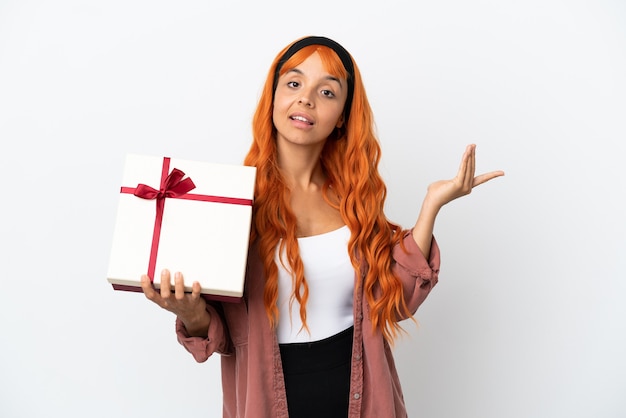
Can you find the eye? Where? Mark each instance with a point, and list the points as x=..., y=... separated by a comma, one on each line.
x=328, y=93
x=293, y=84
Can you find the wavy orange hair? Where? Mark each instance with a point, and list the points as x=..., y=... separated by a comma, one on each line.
x=350, y=160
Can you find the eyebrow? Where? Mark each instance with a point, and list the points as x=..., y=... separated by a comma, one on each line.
x=329, y=77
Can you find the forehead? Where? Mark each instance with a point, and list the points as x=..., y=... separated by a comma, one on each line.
x=316, y=55
x=313, y=65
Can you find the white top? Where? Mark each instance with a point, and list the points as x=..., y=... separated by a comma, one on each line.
x=330, y=277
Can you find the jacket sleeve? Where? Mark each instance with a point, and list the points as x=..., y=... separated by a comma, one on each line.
x=418, y=275
x=217, y=341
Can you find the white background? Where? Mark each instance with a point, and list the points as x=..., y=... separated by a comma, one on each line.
x=529, y=317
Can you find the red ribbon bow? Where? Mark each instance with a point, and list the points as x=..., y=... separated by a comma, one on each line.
x=171, y=186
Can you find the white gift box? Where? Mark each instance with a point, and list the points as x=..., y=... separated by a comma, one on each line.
x=204, y=232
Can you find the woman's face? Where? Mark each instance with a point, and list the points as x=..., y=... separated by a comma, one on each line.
x=308, y=104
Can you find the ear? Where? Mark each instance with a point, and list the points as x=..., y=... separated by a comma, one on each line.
x=339, y=122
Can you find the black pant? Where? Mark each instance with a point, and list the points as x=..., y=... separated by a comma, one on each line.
x=317, y=376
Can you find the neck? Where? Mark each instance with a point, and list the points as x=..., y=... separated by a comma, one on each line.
x=301, y=167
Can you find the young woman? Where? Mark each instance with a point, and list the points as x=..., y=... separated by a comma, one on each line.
x=329, y=276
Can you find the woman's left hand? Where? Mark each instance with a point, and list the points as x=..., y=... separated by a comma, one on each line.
x=444, y=191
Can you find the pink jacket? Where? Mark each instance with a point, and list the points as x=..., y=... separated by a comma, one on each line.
x=252, y=376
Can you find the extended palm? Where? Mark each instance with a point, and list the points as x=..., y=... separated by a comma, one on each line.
x=444, y=191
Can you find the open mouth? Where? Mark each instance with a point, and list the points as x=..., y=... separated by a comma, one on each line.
x=301, y=119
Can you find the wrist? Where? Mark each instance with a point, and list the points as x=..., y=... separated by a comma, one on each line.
x=430, y=207
x=198, y=324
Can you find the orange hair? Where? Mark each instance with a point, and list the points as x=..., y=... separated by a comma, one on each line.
x=350, y=160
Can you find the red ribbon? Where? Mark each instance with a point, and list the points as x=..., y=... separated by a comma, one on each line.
x=172, y=186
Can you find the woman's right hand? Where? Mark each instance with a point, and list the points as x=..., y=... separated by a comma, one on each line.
x=190, y=308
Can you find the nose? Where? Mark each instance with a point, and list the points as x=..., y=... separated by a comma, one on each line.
x=305, y=101
x=305, y=98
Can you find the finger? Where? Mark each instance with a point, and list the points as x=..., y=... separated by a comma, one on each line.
x=471, y=168
x=478, y=180
x=462, y=173
x=195, y=291
x=179, y=286
x=165, y=284
x=147, y=287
